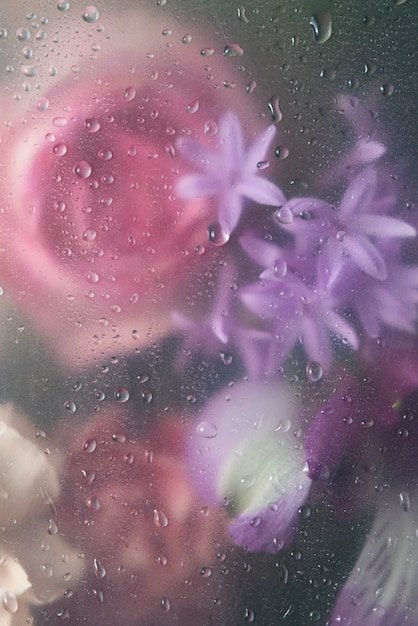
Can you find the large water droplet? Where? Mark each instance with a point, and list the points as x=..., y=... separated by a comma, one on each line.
x=217, y=234
x=130, y=93
x=10, y=602
x=207, y=430
x=321, y=22
x=405, y=501
x=160, y=518
x=83, y=169
x=121, y=394
x=70, y=406
x=274, y=108
x=284, y=215
x=92, y=125
x=99, y=569
x=314, y=371
x=90, y=15
x=233, y=50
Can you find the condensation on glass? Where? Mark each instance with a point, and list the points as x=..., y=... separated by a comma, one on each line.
x=208, y=290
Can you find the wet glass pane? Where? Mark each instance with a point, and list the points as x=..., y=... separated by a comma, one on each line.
x=208, y=292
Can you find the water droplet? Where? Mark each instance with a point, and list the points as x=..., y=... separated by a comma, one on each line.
x=130, y=93
x=321, y=22
x=28, y=70
x=207, y=52
x=83, y=169
x=250, y=87
x=71, y=406
x=284, y=215
x=3, y=33
x=90, y=445
x=281, y=152
x=47, y=569
x=60, y=149
x=314, y=371
x=211, y=128
x=192, y=107
x=233, y=50
x=121, y=394
x=207, y=430
x=255, y=522
x=92, y=125
x=304, y=512
x=89, y=234
x=119, y=438
x=226, y=357
x=99, y=569
x=241, y=15
x=405, y=501
x=280, y=268
x=42, y=104
x=249, y=615
x=90, y=15
x=10, y=602
x=274, y=108
x=165, y=605
x=63, y=6
x=52, y=527
x=387, y=89
x=23, y=34
x=248, y=481
x=186, y=38
x=217, y=235
x=160, y=519
x=89, y=476
x=206, y=572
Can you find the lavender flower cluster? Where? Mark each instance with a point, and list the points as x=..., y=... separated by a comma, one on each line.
x=335, y=285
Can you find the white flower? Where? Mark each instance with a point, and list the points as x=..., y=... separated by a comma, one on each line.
x=36, y=563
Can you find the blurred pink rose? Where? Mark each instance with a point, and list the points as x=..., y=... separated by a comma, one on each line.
x=94, y=245
x=152, y=551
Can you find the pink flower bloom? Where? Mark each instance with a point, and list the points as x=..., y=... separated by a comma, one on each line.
x=95, y=245
x=150, y=545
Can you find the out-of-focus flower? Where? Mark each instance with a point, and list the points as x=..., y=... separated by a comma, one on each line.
x=231, y=175
x=246, y=451
x=294, y=310
x=96, y=245
x=37, y=565
x=150, y=545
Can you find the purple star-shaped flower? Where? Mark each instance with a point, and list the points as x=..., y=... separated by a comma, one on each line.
x=353, y=232
x=232, y=174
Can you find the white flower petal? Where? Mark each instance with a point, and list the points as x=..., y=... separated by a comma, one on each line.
x=381, y=590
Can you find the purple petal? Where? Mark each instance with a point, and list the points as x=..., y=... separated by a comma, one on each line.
x=359, y=193
x=195, y=186
x=261, y=190
x=232, y=142
x=329, y=434
x=195, y=151
x=382, y=226
x=342, y=329
x=366, y=256
x=258, y=150
x=230, y=209
x=262, y=252
x=316, y=341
